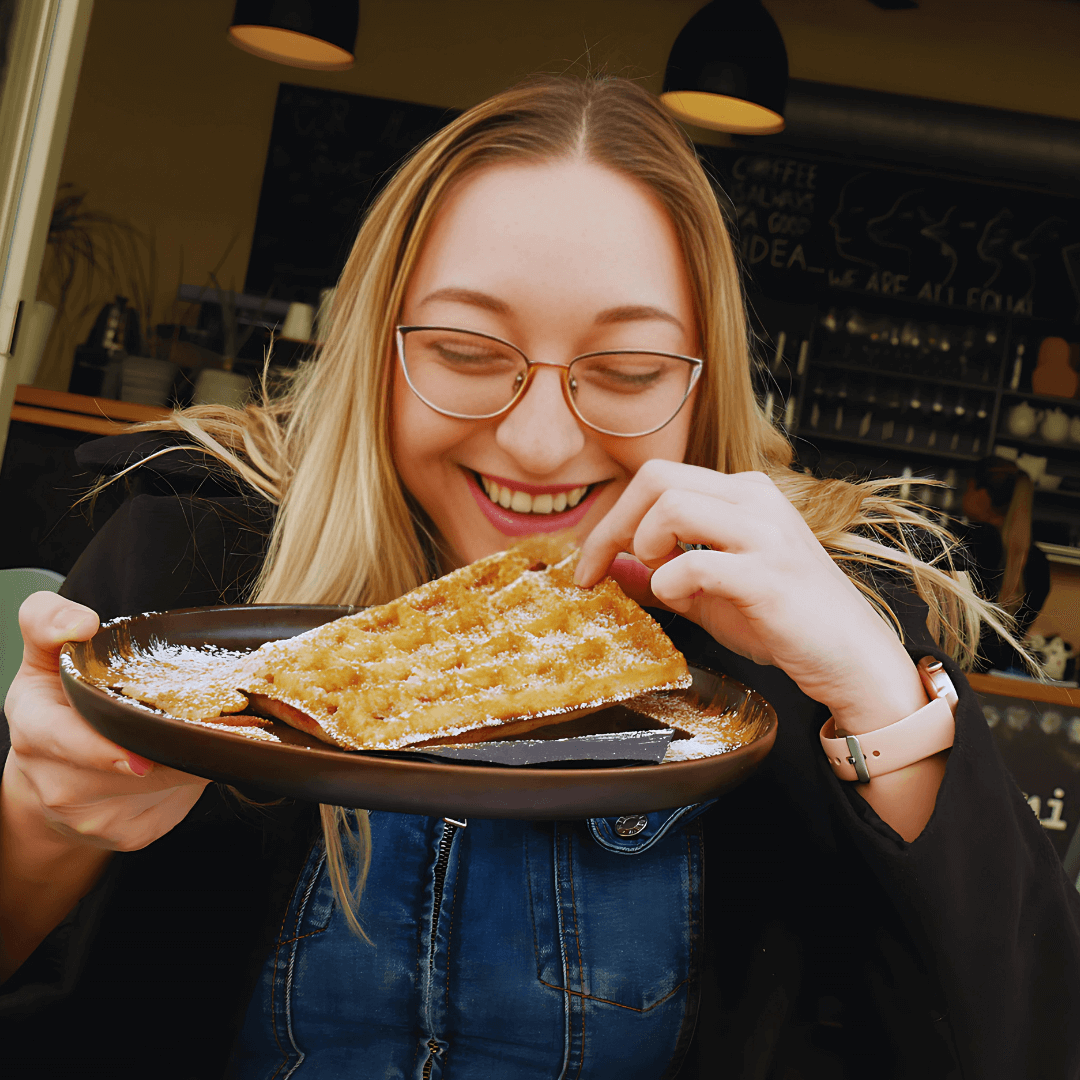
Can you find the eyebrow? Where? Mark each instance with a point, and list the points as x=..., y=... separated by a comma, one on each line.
x=608, y=317
x=469, y=296
x=636, y=313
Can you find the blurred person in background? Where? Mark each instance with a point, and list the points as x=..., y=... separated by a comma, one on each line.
x=1010, y=569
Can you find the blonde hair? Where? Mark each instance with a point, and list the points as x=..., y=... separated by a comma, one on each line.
x=346, y=532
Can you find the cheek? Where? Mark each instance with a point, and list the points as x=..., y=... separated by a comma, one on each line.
x=667, y=444
x=420, y=438
x=414, y=438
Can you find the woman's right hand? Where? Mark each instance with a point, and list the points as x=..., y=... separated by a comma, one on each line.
x=62, y=773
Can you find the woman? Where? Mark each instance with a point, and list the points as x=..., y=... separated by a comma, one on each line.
x=561, y=222
x=1011, y=569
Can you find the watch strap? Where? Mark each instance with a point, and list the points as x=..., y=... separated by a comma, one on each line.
x=923, y=733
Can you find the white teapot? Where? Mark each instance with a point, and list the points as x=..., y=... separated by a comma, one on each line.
x=1055, y=426
x=1023, y=420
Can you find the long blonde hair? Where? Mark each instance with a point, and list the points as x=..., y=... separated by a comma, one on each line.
x=346, y=530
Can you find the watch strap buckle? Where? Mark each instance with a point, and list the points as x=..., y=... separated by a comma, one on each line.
x=857, y=759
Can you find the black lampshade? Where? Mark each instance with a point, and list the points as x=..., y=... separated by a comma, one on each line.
x=319, y=34
x=728, y=70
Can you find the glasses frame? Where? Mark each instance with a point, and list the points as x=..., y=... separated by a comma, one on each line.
x=696, y=365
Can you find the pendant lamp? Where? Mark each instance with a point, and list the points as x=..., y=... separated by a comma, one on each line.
x=728, y=70
x=317, y=34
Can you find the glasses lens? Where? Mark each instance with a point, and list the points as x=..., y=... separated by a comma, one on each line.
x=629, y=393
x=462, y=373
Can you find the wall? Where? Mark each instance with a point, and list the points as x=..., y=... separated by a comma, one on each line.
x=171, y=122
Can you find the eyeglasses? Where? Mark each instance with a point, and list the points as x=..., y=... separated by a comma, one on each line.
x=473, y=376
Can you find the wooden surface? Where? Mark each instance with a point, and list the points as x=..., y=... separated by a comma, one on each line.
x=76, y=412
x=1025, y=689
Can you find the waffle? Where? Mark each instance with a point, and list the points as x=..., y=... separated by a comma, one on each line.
x=188, y=683
x=508, y=642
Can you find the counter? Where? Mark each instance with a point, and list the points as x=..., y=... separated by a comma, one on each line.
x=76, y=412
x=1037, y=729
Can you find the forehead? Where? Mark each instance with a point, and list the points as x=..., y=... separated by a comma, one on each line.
x=570, y=232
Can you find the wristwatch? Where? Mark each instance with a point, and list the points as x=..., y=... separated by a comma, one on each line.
x=926, y=732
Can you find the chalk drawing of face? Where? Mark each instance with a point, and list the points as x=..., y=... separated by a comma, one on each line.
x=897, y=230
x=848, y=220
x=991, y=246
x=937, y=232
x=1044, y=239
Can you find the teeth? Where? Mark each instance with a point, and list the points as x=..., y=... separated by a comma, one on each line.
x=521, y=503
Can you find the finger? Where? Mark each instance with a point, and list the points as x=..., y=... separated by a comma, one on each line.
x=714, y=573
x=47, y=621
x=71, y=788
x=44, y=726
x=683, y=517
x=125, y=821
x=615, y=532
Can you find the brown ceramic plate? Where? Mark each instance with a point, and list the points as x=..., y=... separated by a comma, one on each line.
x=297, y=765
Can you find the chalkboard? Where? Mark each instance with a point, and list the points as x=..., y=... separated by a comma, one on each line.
x=329, y=155
x=809, y=229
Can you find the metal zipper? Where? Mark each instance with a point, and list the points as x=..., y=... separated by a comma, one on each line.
x=433, y=1053
x=441, y=862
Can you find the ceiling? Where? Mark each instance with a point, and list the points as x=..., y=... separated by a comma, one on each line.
x=1005, y=54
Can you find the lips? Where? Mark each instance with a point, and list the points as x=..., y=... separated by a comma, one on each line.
x=523, y=509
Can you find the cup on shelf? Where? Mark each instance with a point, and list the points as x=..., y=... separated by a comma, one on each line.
x=146, y=381
x=1055, y=426
x=1033, y=465
x=1023, y=420
x=216, y=387
x=299, y=322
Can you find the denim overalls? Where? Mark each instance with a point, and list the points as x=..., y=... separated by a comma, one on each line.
x=501, y=949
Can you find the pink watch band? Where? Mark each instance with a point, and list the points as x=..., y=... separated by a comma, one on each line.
x=926, y=732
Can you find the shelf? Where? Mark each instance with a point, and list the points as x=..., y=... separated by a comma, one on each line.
x=840, y=300
x=810, y=436
x=1047, y=449
x=1057, y=493
x=934, y=380
x=1058, y=553
x=1042, y=399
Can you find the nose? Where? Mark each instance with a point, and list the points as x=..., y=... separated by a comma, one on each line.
x=540, y=432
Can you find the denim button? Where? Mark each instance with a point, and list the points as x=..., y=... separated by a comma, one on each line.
x=630, y=825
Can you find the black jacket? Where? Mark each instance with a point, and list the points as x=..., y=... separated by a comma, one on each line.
x=835, y=949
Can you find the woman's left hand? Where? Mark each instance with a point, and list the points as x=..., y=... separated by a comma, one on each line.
x=768, y=590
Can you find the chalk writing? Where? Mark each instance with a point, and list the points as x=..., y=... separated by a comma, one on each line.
x=806, y=226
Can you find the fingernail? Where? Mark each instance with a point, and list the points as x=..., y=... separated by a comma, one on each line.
x=133, y=765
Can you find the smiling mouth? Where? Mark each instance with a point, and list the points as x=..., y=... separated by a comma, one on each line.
x=521, y=502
